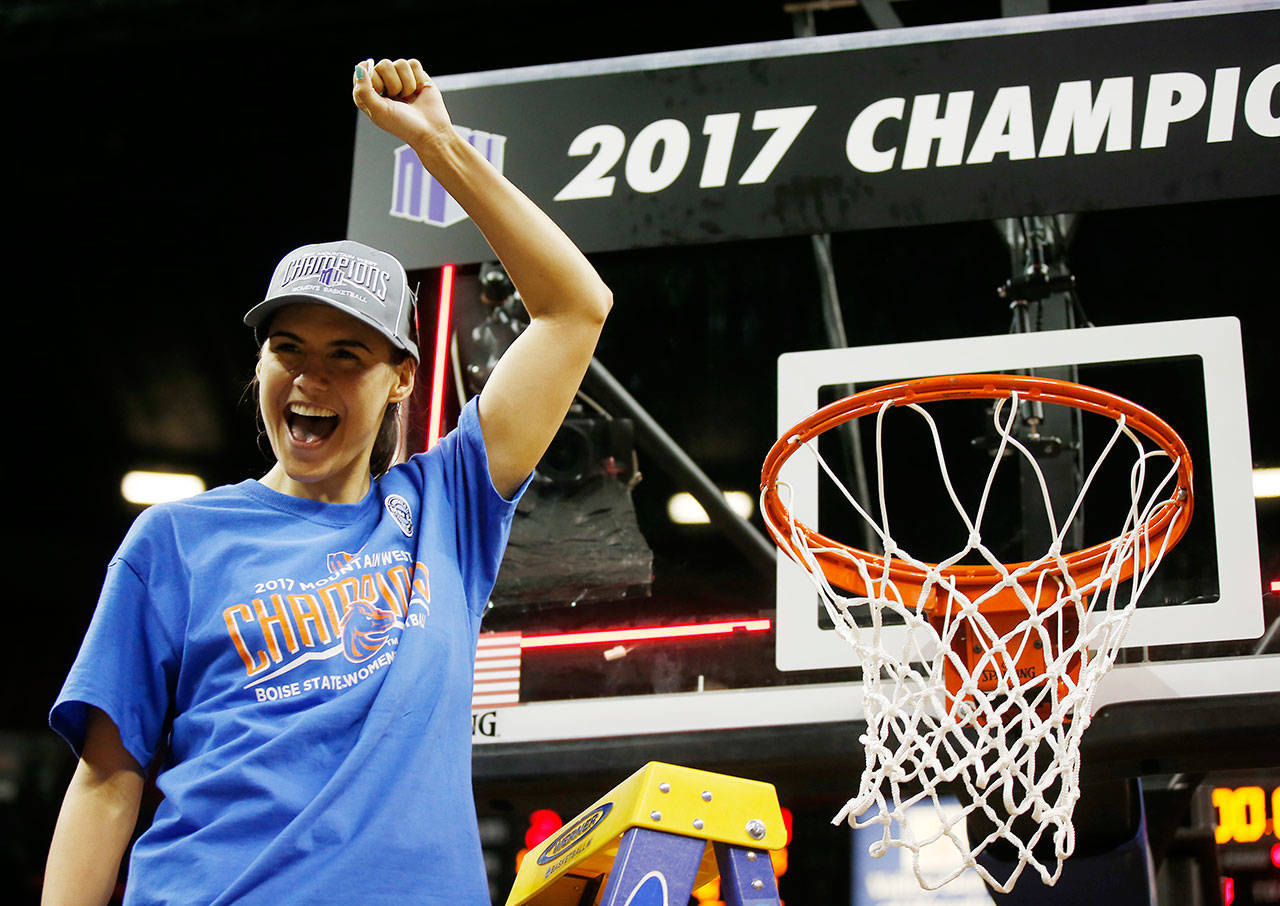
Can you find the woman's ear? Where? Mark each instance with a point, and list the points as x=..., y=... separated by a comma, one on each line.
x=402, y=389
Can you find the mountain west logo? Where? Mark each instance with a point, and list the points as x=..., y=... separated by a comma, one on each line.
x=401, y=512
x=415, y=195
x=338, y=561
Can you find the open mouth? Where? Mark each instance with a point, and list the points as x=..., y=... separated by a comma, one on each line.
x=309, y=424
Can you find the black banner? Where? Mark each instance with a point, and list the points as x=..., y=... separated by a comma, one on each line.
x=1051, y=114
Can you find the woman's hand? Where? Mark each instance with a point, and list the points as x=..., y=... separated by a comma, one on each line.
x=399, y=98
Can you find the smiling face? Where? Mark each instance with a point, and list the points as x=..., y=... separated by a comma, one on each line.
x=325, y=380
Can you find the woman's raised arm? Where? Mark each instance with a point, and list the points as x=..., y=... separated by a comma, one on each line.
x=527, y=395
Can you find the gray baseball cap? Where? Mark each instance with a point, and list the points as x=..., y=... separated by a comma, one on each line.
x=364, y=282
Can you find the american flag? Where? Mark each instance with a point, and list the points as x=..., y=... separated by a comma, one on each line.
x=497, y=681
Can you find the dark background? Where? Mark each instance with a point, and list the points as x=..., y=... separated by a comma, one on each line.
x=163, y=155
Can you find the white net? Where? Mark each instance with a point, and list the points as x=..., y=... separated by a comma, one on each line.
x=955, y=710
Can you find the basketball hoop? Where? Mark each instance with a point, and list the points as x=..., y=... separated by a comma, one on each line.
x=1000, y=659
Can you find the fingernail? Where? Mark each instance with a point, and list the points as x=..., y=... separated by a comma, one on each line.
x=359, y=72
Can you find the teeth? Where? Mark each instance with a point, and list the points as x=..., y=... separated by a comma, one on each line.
x=307, y=409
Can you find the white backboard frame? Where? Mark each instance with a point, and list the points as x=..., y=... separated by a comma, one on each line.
x=804, y=645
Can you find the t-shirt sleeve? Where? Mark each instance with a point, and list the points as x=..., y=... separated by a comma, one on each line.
x=484, y=515
x=128, y=662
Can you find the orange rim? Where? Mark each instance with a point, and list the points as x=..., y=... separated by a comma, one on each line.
x=1170, y=516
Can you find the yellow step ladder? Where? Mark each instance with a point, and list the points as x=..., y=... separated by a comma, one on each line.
x=656, y=837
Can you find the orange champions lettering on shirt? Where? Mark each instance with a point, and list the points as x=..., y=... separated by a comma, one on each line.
x=288, y=624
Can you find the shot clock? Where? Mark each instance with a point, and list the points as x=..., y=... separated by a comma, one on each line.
x=1246, y=814
x=1245, y=809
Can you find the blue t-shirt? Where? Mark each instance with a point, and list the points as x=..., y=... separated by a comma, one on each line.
x=313, y=664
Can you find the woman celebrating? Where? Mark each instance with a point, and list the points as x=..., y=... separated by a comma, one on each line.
x=303, y=644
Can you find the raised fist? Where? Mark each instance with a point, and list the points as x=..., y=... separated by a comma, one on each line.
x=399, y=97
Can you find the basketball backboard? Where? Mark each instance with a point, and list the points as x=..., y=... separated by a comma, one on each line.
x=1191, y=373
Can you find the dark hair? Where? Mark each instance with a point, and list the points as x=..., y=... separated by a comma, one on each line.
x=387, y=441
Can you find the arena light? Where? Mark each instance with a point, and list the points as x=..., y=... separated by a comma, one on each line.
x=145, y=488
x=642, y=634
x=1266, y=483
x=684, y=509
x=435, y=411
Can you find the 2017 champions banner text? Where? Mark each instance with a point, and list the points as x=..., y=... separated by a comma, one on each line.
x=1038, y=115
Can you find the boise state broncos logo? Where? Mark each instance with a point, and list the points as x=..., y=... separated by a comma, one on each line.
x=365, y=628
x=366, y=624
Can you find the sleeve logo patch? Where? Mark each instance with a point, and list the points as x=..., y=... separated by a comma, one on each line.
x=401, y=512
